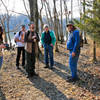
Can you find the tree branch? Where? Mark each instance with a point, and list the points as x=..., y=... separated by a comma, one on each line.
x=18, y=13
x=26, y=9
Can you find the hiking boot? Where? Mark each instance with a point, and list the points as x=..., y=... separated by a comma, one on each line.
x=23, y=66
x=29, y=76
x=51, y=67
x=35, y=74
x=47, y=66
x=70, y=79
x=17, y=67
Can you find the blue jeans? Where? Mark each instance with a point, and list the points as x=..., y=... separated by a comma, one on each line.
x=48, y=50
x=1, y=61
x=73, y=64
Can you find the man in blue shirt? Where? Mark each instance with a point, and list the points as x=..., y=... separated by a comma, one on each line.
x=73, y=45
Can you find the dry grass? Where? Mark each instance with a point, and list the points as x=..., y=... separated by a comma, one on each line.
x=90, y=42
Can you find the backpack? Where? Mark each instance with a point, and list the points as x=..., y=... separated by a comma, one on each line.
x=19, y=34
x=81, y=40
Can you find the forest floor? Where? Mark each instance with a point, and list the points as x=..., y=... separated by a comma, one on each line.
x=51, y=84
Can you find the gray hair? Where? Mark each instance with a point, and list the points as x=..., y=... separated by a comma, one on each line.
x=45, y=25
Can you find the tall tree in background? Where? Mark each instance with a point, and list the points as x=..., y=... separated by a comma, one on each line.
x=61, y=23
x=40, y=16
x=7, y=20
x=34, y=12
x=93, y=23
x=55, y=25
x=71, y=10
x=84, y=12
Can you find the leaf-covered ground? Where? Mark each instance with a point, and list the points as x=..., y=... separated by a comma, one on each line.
x=51, y=84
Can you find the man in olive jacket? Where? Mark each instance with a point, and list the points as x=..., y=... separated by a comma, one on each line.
x=48, y=40
x=31, y=41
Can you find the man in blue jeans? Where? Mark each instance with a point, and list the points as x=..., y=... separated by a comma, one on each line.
x=73, y=45
x=48, y=40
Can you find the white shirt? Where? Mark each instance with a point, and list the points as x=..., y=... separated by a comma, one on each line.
x=19, y=44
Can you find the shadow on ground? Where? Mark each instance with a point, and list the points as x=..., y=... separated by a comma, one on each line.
x=2, y=96
x=49, y=89
x=87, y=80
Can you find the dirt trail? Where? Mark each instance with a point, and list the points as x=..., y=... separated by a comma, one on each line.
x=51, y=84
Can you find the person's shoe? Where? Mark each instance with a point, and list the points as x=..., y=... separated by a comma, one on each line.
x=47, y=66
x=51, y=67
x=23, y=66
x=29, y=76
x=35, y=74
x=17, y=67
x=69, y=79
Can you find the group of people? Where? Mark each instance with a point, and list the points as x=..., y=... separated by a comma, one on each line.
x=27, y=45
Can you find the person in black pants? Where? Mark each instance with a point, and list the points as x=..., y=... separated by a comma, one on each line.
x=31, y=47
x=19, y=39
x=19, y=51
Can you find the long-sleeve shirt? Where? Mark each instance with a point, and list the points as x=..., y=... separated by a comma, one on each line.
x=53, y=38
x=29, y=43
x=73, y=42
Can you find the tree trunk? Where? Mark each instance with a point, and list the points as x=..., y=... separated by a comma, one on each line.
x=71, y=10
x=8, y=30
x=36, y=16
x=49, y=11
x=32, y=9
x=55, y=25
x=40, y=17
x=94, y=51
x=85, y=40
x=61, y=25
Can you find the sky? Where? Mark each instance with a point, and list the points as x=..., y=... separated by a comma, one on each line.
x=18, y=6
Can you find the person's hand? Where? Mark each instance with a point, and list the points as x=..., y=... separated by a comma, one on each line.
x=73, y=54
x=33, y=37
x=17, y=40
x=41, y=46
x=34, y=40
x=2, y=46
x=51, y=45
x=22, y=41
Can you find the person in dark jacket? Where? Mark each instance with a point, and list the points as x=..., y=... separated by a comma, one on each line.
x=73, y=45
x=31, y=40
x=1, y=46
x=48, y=40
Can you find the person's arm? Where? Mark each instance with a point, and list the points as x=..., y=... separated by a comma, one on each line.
x=2, y=46
x=42, y=39
x=53, y=39
x=37, y=37
x=26, y=39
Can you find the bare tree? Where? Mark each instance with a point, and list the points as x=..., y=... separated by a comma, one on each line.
x=61, y=25
x=40, y=16
x=47, y=14
x=8, y=19
x=55, y=25
x=84, y=11
x=34, y=16
x=50, y=14
x=71, y=10
x=2, y=21
x=26, y=9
